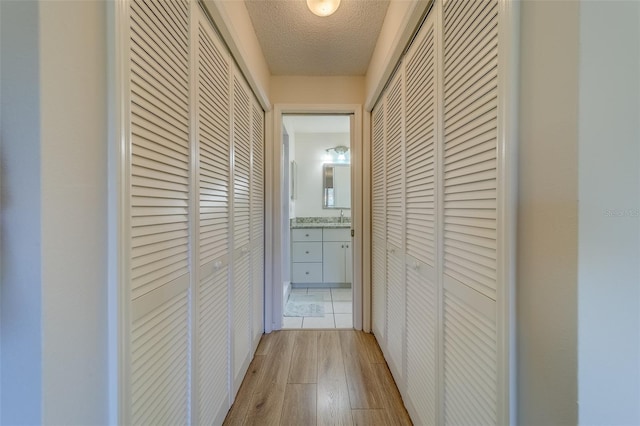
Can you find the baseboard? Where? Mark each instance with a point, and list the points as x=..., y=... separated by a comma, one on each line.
x=286, y=290
x=320, y=285
x=222, y=412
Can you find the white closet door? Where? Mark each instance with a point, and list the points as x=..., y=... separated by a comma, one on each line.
x=470, y=206
x=241, y=276
x=257, y=220
x=421, y=282
x=394, y=168
x=378, y=223
x=213, y=106
x=160, y=170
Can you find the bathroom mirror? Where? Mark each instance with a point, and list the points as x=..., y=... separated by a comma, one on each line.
x=336, y=186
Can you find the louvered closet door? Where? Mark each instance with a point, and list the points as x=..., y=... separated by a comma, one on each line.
x=470, y=205
x=378, y=221
x=422, y=294
x=241, y=277
x=159, y=83
x=257, y=220
x=213, y=76
x=394, y=168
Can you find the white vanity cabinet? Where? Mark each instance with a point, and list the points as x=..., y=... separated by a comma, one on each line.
x=321, y=255
x=306, y=255
x=336, y=256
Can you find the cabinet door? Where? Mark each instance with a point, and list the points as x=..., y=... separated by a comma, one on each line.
x=333, y=262
x=348, y=267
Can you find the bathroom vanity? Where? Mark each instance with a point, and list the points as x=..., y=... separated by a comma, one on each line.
x=321, y=254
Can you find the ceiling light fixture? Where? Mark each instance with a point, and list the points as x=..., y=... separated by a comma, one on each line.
x=323, y=7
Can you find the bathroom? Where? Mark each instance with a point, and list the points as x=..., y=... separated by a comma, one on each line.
x=317, y=259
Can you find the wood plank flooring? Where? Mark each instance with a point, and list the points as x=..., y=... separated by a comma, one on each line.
x=318, y=377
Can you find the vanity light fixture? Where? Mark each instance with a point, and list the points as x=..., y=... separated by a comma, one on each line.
x=338, y=153
x=323, y=7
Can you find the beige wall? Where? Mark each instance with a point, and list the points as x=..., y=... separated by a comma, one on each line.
x=74, y=211
x=317, y=90
x=548, y=216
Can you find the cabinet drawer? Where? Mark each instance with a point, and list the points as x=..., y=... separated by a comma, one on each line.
x=342, y=234
x=306, y=252
x=308, y=234
x=306, y=272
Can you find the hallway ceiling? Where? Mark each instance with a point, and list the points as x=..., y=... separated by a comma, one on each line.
x=294, y=41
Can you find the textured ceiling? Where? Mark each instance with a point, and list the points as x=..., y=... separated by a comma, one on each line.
x=294, y=41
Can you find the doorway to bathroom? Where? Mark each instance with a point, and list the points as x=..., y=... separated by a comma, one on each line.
x=317, y=221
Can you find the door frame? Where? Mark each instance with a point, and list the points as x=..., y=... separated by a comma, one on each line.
x=273, y=211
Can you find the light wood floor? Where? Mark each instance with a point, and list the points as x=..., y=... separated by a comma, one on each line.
x=318, y=377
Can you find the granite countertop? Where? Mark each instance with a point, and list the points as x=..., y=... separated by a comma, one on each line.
x=320, y=222
x=334, y=225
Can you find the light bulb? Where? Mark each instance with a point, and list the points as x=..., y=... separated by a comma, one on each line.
x=341, y=157
x=323, y=7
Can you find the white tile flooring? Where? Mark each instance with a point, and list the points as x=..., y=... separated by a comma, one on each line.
x=337, y=310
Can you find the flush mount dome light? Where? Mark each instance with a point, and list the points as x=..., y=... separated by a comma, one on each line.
x=323, y=7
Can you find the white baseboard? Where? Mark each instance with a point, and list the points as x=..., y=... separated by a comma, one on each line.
x=286, y=289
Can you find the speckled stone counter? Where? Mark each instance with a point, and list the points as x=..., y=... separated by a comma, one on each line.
x=320, y=225
x=320, y=222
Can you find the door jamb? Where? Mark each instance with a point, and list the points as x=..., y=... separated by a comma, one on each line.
x=273, y=173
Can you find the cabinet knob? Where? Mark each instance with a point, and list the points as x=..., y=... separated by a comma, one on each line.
x=342, y=246
x=306, y=252
x=306, y=235
x=306, y=273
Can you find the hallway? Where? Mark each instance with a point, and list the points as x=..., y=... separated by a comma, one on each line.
x=321, y=377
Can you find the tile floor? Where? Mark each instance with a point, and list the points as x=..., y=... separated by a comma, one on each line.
x=337, y=310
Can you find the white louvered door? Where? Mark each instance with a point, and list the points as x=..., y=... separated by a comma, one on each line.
x=241, y=276
x=159, y=213
x=394, y=201
x=379, y=234
x=420, y=191
x=213, y=105
x=470, y=211
x=191, y=237
x=257, y=220
x=442, y=205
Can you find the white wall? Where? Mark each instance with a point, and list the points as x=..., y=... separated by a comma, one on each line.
x=309, y=154
x=21, y=313
x=609, y=214
x=54, y=325
x=547, y=214
x=292, y=156
x=578, y=270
